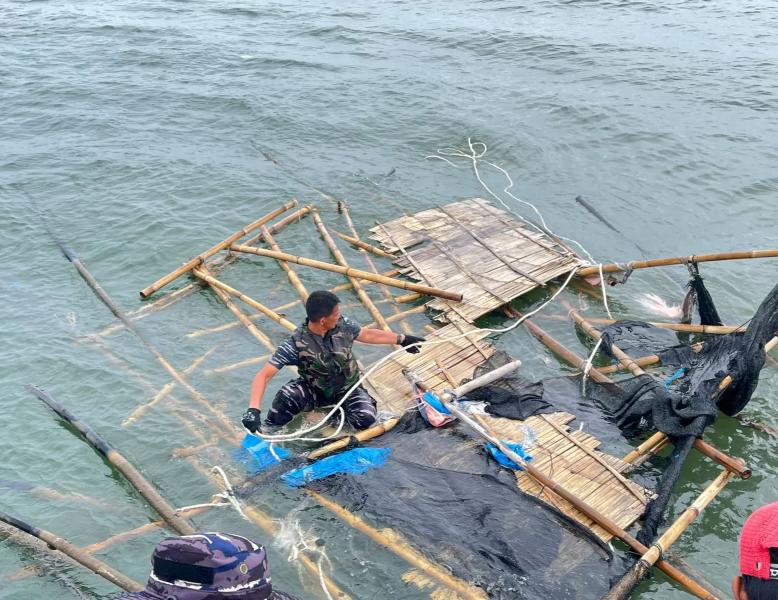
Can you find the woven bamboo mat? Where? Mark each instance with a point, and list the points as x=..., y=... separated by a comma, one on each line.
x=561, y=459
x=476, y=249
x=460, y=357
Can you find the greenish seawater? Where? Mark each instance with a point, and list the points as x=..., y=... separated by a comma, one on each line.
x=131, y=124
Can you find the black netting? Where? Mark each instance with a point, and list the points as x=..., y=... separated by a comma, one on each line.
x=701, y=298
x=450, y=499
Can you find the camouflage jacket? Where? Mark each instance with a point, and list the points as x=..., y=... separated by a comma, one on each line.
x=327, y=364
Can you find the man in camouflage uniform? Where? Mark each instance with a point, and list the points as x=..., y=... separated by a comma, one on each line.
x=321, y=348
x=208, y=566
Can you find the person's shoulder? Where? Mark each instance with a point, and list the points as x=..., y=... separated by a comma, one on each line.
x=350, y=326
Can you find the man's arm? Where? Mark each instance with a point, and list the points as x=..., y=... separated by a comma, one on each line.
x=259, y=385
x=379, y=336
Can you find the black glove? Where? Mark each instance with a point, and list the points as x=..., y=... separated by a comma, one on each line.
x=252, y=420
x=411, y=339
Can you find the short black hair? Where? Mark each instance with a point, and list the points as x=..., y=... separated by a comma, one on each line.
x=762, y=589
x=320, y=304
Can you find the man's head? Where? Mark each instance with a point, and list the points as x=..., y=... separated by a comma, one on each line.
x=322, y=309
x=207, y=566
x=758, y=556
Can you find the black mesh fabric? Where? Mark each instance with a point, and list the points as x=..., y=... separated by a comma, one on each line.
x=702, y=298
x=444, y=493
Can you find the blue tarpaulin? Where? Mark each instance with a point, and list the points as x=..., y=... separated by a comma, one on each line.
x=356, y=461
x=504, y=460
x=258, y=456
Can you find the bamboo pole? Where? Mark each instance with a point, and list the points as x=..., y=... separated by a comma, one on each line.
x=392, y=541
x=366, y=434
x=707, y=329
x=371, y=308
x=365, y=246
x=75, y=553
x=201, y=258
x=680, y=260
x=251, y=302
x=131, y=474
x=47, y=493
x=138, y=412
x=343, y=208
x=645, y=447
x=406, y=298
x=356, y=273
x=627, y=584
x=234, y=309
x=580, y=505
x=298, y=285
x=220, y=263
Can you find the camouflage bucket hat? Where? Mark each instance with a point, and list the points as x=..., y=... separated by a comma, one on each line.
x=208, y=566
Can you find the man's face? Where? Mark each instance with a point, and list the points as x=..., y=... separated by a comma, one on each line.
x=330, y=322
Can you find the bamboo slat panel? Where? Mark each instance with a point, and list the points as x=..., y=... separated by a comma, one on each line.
x=568, y=465
x=461, y=356
x=465, y=264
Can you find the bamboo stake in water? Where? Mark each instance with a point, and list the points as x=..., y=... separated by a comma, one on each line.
x=201, y=258
x=363, y=245
x=133, y=476
x=706, y=329
x=627, y=584
x=75, y=553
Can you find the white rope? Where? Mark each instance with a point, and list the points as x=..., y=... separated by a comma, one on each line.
x=228, y=494
x=292, y=538
x=299, y=434
x=604, y=294
x=588, y=366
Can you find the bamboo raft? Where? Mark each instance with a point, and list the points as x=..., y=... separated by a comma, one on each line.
x=475, y=258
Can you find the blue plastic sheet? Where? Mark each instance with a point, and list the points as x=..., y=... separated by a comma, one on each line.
x=504, y=460
x=432, y=400
x=356, y=461
x=257, y=455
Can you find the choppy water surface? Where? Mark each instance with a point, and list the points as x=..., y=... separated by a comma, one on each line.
x=131, y=125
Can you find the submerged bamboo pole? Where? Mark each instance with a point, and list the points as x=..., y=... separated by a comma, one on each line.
x=138, y=412
x=113, y=307
x=343, y=208
x=131, y=474
x=298, y=285
x=234, y=309
x=356, y=273
x=580, y=505
x=41, y=491
x=75, y=553
x=680, y=260
x=392, y=541
x=624, y=587
x=201, y=258
x=355, y=241
x=250, y=301
x=237, y=365
x=706, y=329
x=416, y=310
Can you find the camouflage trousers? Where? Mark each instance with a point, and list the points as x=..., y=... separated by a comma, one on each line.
x=297, y=396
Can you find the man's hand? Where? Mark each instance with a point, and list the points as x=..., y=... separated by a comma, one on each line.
x=411, y=339
x=252, y=420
